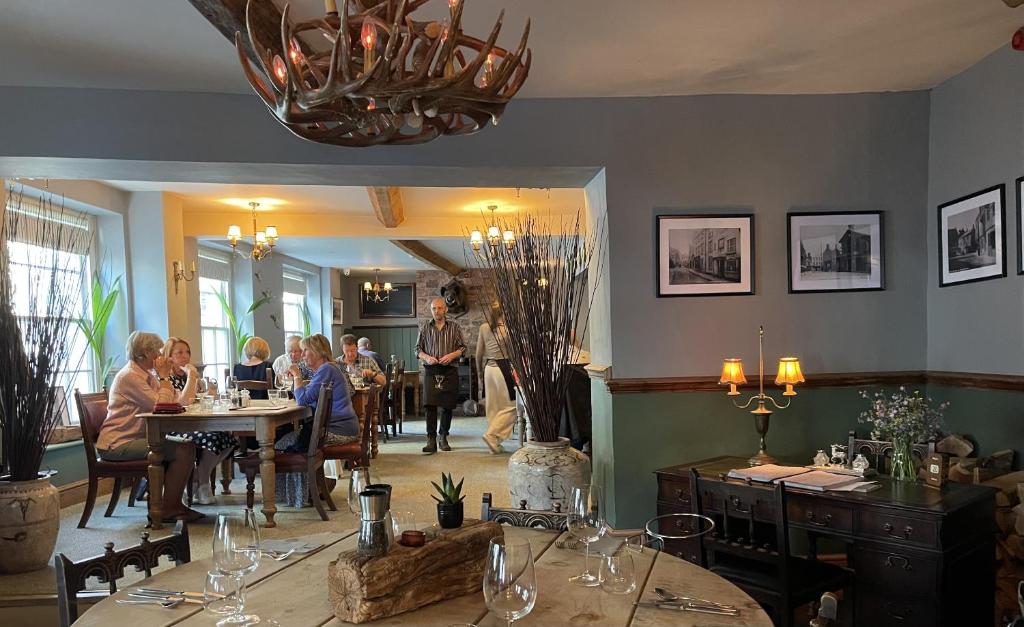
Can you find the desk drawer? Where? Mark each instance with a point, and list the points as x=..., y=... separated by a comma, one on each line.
x=812, y=513
x=675, y=492
x=890, y=610
x=881, y=524
x=894, y=569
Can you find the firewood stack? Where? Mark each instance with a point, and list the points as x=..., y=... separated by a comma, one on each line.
x=994, y=470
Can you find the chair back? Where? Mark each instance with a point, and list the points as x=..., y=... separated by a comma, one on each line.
x=372, y=402
x=321, y=418
x=879, y=452
x=109, y=567
x=92, y=411
x=556, y=520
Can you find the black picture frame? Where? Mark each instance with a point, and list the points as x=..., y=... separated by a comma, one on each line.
x=874, y=282
x=1020, y=225
x=973, y=202
x=400, y=304
x=744, y=266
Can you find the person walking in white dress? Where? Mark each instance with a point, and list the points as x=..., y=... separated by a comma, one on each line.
x=496, y=379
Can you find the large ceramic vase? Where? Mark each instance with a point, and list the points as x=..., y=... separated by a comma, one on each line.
x=29, y=521
x=544, y=473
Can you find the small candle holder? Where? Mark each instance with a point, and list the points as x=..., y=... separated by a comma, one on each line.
x=412, y=538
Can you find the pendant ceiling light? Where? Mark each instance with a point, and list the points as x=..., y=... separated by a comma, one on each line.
x=263, y=242
x=376, y=292
x=371, y=74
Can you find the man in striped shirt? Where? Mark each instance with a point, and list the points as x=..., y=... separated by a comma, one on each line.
x=439, y=345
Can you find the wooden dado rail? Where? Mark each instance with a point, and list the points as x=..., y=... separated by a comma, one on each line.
x=828, y=380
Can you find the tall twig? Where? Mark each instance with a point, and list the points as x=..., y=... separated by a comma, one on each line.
x=542, y=285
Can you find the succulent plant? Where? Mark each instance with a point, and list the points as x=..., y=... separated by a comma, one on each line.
x=450, y=493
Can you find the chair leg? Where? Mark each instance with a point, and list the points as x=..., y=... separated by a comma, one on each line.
x=314, y=492
x=250, y=488
x=325, y=489
x=114, y=496
x=227, y=473
x=142, y=490
x=90, y=501
x=131, y=491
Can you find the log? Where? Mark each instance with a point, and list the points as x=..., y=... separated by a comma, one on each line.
x=1005, y=519
x=1018, y=523
x=447, y=566
x=954, y=445
x=960, y=474
x=1010, y=486
x=1014, y=545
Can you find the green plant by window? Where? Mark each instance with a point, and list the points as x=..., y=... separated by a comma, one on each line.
x=450, y=493
x=101, y=304
x=307, y=322
x=236, y=326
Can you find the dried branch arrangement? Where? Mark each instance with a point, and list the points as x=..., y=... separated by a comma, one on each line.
x=37, y=313
x=542, y=285
x=386, y=78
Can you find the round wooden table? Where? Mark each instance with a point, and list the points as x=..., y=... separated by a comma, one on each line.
x=294, y=593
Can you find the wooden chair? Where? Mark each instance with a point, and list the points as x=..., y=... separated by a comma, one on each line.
x=92, y=411
x=245, y=384
x=879, y=452
x=750, y=548
x=109, y=567
x=537, y=519
x=357, y=453
x=310, y=462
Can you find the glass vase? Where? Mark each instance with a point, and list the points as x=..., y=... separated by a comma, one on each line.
x=903, y=466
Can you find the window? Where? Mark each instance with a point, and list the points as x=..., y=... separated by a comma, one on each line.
x=215, y=330
x=293, y=301
x=31, y=271
x=732, y=245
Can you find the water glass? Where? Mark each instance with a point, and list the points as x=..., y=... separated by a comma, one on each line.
x=201, y=390
x=403, y=521
x=284, y=381
x=618, y=573
x=274, y=396
x=220, y=593
x=587, y=523
x=510, y=584
x=358, y=480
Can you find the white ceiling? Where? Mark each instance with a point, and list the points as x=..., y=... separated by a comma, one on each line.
x=358, y=253
x=581, y=47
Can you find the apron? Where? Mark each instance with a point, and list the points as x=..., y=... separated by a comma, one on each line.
x=447, y=396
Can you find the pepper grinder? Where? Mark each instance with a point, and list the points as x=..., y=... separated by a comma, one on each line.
x=373, y=532
x=386, y=487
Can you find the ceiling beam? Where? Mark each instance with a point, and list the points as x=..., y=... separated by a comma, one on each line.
x=428, y=255
x=387, y=205
x=228, y=17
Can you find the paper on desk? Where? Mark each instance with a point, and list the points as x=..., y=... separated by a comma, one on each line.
x=818, y=480
x=857, y=486
x=767, y=472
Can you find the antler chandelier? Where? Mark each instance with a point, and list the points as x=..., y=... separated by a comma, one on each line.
x=386, y=78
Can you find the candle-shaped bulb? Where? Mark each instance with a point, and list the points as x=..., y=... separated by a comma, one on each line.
x=368, y=35
x=280, y=71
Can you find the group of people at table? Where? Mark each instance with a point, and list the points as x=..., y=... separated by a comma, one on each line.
x=158, y=371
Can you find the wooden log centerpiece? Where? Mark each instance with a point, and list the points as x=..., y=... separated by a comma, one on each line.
x=450, y=564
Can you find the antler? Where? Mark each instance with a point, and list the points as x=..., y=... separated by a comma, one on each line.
x=404, y=96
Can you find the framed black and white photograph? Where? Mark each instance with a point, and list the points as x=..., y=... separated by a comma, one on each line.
x=835, y=251
x=705, y=255
x=337, y=311
x=972, y=237
x=1020, y=225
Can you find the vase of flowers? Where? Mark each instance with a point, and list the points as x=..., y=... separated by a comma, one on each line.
x=904, y=418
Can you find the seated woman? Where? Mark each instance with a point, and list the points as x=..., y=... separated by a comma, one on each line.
x=123, y=434
x=343, y=426
x=255, y=366
x=211, y=446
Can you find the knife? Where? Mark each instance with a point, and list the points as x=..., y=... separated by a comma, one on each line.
x=164, y=597
x=689, y=607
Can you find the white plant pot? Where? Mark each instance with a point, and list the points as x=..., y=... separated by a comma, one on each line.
x=544, y=473
x=29, y=522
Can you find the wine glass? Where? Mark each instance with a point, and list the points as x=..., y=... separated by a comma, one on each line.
x=236, y=552
x=201, y=390
x=510, y=585
x=284, y=380
x=586, y=522
x=357, y=482
x=439, y=378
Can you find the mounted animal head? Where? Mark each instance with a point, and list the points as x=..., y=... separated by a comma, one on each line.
x=454, y=295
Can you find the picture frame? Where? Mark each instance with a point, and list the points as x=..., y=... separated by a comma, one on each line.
x=972, y=237
x=705, y=255
x=400, y=304
x=835, y=251
x=337, y=311
x=1020, y=225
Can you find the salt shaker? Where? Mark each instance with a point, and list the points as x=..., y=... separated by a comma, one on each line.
x=860, y=462
x=821, y=459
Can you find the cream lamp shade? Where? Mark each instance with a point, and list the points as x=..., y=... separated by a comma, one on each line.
x=732, y=373
x=789, y=374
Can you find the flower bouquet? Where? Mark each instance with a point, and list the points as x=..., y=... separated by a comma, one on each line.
x=904, y=418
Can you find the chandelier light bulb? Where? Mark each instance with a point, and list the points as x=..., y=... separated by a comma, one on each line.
x=476, y=239
x=271, y=233
x=295, y=52
x=509, y=239
x=368, y=35
x=261, y=237
x=280, y=71
x=387, y=286
x=371, y=104
x=367, y=287
x=234, y=232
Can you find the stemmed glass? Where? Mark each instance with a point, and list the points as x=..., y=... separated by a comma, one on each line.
x=587, y=523
x=284, y=381
x=236, y=552
x=510, y=585
x=357, y=482
x=201, y=390
x=440, y=381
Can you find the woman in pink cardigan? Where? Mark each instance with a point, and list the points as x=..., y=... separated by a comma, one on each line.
x=142, y=383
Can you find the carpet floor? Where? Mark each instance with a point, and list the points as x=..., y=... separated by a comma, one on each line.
x=399, y=463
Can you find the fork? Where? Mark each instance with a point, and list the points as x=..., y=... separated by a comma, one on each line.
x=668, y=596
x=167, y=603
x=277, y=555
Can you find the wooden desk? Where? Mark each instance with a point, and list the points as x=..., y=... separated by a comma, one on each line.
x=294, y=592
x=921, y=556
x=260, y=418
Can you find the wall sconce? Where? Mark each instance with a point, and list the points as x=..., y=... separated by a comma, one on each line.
x=181, y=275
x=789, y=374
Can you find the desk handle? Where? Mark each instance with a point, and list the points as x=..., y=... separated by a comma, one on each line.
x=907, y=531
x=891, y=562
x=893, y=613
x=736, y=501
x=827, y=523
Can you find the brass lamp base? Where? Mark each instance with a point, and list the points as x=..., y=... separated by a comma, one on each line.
x=761, y=417
x=761, y=459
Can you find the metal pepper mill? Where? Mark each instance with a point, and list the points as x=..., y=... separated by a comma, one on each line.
x=373, y=528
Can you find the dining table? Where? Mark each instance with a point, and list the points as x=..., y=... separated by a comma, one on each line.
x=293, y=592
x=261, y=418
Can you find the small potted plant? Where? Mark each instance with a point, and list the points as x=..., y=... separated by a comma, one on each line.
x=449, y=506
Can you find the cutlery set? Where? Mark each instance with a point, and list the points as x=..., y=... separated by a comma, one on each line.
x=164, y=598
x=668, y=601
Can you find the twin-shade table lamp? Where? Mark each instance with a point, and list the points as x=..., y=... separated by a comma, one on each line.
x=788, y=374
